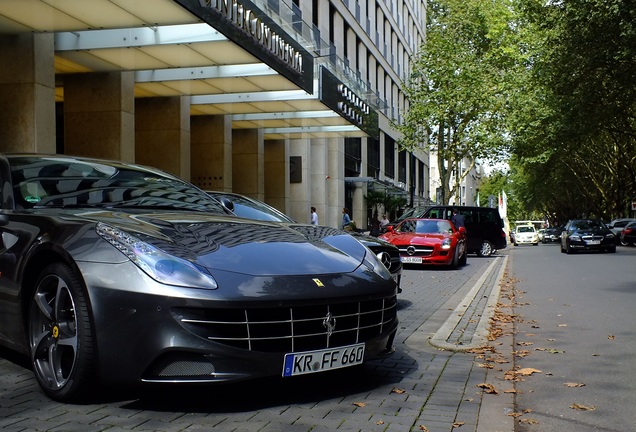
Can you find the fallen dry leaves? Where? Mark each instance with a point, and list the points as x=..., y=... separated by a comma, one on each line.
x=571, y=384
x=529, y=421
x=488, y=388
x=583, y=407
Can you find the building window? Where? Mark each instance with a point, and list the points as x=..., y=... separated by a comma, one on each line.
x=353, y=156
x=373, y=158
x=421, y=185
x=389, y=157
x=402, y=166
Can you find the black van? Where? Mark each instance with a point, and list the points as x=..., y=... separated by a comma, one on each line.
x=484, y=226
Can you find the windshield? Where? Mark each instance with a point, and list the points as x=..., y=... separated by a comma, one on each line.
x=426, y=226
x=525, y=229
x=40, y=182
x=587, y=224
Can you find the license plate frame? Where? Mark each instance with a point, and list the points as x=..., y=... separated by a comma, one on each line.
x=411, y=260
x=308, y=362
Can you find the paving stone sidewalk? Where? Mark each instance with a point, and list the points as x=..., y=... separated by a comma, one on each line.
x=419, y=388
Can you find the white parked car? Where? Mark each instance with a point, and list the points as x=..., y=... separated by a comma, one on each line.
x=526, y=234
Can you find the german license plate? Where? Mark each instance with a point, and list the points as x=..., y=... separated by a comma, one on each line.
x=322, y=360
x=594, y=242
x=411, y=260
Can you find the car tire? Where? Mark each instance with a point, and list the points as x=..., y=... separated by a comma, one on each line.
x=455, y=262
x=464, y=258
x=612, y=249
x=486, y=249
x=624, y=243
x=61, y=335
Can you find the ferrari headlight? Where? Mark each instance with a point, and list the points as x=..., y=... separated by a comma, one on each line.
x=157, y=264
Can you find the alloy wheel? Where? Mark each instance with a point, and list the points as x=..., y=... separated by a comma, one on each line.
x=53, y=332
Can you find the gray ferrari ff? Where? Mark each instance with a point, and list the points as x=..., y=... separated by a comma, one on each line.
x=114, y=272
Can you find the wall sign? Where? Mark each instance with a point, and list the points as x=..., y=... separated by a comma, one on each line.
x=340, y=98
x=246, y=25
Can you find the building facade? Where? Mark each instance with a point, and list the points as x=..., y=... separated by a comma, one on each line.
x=286, y=101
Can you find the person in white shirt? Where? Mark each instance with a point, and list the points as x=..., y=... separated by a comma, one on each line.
x=384, y=222
x=314, y=216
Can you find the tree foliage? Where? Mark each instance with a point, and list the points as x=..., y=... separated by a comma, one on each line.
x=460, y=85
x=576, y=141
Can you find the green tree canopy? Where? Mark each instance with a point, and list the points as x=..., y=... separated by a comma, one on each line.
x=460, y=85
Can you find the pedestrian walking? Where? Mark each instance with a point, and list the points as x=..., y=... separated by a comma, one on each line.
x=375, y=225
x=457, y=219
x=314, y=216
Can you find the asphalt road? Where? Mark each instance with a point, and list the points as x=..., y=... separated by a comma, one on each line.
x=576, y=326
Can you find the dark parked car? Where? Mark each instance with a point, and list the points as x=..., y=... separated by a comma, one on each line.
x=628, y=235
x=587, y=234
x=429, y=241
x=617, y=225
x=484, y=227
x=117, y=273
x=552, y=234
x=246, y=207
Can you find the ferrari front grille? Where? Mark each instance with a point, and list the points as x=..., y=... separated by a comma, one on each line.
x=292, y=329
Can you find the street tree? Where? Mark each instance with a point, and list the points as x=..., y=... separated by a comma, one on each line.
x=460, y=85
x=576, y=141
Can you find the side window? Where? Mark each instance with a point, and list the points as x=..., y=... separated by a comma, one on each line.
x=468, y=216
x=487, y=216
x=408, y=226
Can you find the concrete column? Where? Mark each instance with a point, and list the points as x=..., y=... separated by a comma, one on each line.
x=335, y=184
x=320, y=179
x=276, y=169
x=99, y=115
x=27, y=93
x=248, y=163
x=339, y=34
x=211, y=150
x=162, y=134
x=301, y=193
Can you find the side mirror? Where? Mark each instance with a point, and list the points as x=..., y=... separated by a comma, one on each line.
x=462, y=230
x=390, y=228
x=227, y=204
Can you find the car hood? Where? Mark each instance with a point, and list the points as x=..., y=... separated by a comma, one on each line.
x=240, y=245
x=413, y=238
